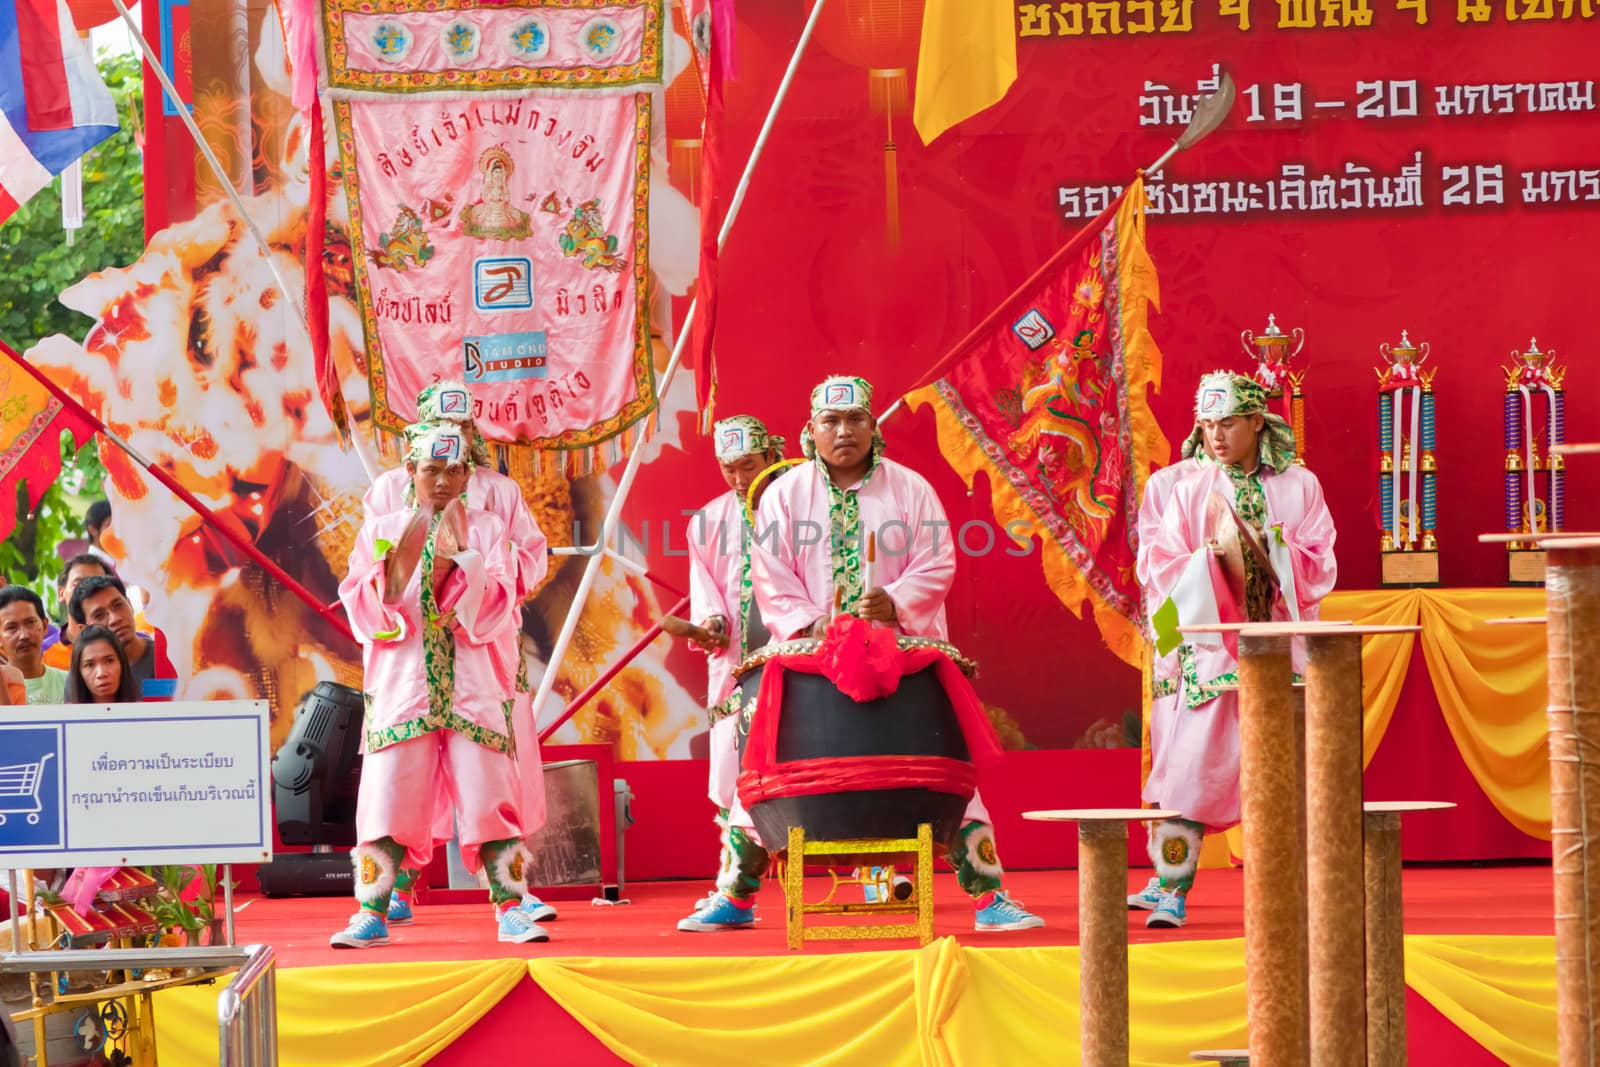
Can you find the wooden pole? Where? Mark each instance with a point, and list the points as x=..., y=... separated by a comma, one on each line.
x=1337, y=941
x=1572, y=599
x=1103, y=942
x=1385, y=932
x=1274, y=923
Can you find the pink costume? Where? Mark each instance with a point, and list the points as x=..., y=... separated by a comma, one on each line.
x=916, y=553
x=718, y=572
x=489, y=490
x=1194, y=728
x=417, y=744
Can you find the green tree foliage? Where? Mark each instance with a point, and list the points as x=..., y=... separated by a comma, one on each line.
x=36, y=264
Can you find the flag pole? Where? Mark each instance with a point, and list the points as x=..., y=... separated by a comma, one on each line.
x=200, y=142
x=209, y=517
x=1209, y=113
x=591, y=568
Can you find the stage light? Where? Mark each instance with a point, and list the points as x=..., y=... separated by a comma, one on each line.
x=315, y=776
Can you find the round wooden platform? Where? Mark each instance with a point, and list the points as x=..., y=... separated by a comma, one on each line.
x=1400, y=807
x=1101, y=815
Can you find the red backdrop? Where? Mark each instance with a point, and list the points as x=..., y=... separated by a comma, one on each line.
x=810, y=287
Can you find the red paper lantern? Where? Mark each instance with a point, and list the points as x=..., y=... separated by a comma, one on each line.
x=882, y=37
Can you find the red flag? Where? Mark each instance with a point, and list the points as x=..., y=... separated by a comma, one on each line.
x=711, y=31
x=31, y=421
x=1047, y=396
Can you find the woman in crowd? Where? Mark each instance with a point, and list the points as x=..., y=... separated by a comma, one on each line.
x=99, y=673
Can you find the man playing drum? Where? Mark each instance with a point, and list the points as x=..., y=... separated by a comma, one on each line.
x=810, y=533
x=722, y=601
x=1244, y=536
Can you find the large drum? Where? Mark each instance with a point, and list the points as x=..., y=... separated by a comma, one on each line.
x=830, y=749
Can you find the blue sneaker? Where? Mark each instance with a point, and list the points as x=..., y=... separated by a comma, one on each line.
x=1170, y=913
x=1148, y=898
x=536, y=909
x=400, y=913
x=1003, y=913
x=516, y=928
x=717, y=915
x=366, y=930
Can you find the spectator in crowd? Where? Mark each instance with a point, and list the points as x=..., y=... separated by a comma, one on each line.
x=96, y=522
x=22, y=629
x=100, y=672
x=103, y=601
x=84, y=565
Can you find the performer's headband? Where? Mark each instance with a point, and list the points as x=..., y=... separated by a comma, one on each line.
x=743, y=435
x=450, y=402
x=443, y=441
x=842, y=393
x=1222, y=394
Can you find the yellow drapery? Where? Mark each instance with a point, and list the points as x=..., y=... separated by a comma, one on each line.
x=940, y=1005
x=1489, y=682
x=364, y=1015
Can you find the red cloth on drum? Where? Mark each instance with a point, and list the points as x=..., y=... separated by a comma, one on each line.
x=849, y=774
x=863, y=664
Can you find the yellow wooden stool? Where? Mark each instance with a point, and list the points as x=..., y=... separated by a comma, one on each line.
x=862, y=852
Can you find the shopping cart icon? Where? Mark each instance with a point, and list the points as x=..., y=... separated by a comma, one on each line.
x=19, y=789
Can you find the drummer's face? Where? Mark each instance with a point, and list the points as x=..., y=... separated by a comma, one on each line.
x=739, y=473
x=844, y=438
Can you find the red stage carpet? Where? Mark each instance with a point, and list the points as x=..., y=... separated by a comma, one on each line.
x=614, y=979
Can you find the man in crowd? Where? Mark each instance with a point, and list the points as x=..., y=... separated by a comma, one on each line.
x=491, y=491
x=848, y=491
x=84, y=565
x=102, y=600
x=722, y=601
x=22, y=629
x=1245, y=536
x=431, y=597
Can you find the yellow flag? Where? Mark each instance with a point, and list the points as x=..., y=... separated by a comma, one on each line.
x=967, y=61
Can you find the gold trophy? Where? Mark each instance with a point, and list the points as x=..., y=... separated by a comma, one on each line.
x=1272, y=353
x=1530, y=375
x=1407, y=493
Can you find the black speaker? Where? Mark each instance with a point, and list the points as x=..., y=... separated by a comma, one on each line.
x=316, y=774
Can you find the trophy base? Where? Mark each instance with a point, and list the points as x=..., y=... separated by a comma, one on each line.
x=1410, y=568
x=1526, y=566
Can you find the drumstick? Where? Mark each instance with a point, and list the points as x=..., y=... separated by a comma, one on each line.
x=684, y=628
x=872, y=558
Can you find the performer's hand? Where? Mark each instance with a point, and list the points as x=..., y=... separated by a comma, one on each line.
x=402, y=561
x=1219, y=525
x=717, y=627
x=452, y=537
x=446, y=621
x=875, y=606
x=817, y=627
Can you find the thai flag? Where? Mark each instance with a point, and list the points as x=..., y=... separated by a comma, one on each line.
x=53, y=105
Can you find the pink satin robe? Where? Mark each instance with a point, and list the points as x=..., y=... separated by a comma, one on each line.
x=1194, y=752
x=716, y=563
x=502, y=497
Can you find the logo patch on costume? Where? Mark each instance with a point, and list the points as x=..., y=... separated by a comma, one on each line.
x=369, y=871
x=516, y=867
x=1215, y=403
x=1175, y=850
x=504, y=357
x=840, y=395
x=502, y=283
x=454, y=402
x=732, y=442
x=446, y=448
x=1034, y=330
x=986, y=851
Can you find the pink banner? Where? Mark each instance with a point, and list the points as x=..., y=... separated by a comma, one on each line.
x=502, y=240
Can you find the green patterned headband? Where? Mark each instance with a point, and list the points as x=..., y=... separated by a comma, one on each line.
x=842, y=393
x=743, y=435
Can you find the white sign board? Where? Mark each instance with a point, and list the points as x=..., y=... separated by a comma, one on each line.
x=119, y=784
